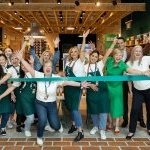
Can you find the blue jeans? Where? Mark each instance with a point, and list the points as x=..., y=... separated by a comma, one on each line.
x=29, y=120
x=56, y=58
x=37, y=64
x=100, y=120
x=76, y=116
x=4, y=119
x=46, y=111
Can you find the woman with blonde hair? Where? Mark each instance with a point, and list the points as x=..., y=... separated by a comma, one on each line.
x=47, y=55
x=75, y=68
x=140, y=89
x=116, y=66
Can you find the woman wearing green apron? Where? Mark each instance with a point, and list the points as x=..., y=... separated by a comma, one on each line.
x=75, y=68
x=97, y=96
x=25, y=96
x=14, y=72
x=27, y=101
x=5, y=103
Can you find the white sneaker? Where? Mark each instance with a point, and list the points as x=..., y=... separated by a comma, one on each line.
x=27, y=133
x=61, y=129
x=103, y=135
x=94, y=130
x=40, y=141
x=48, y=128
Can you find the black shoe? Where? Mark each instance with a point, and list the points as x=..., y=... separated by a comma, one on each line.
x=18, y=129
x=23, y=125
x=124, y=124
x=79, y=136
x=142, y=124
x=72, y=129
x=129, y=137
x=3, y=132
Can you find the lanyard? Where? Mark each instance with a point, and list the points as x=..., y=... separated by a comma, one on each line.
x=46, y=87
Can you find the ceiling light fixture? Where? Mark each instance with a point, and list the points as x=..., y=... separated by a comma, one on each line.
x=58, y=2
x=21, y=17
x=15, y=12
x=98, y=3
x=34, y=31
x=18, y=27
x=70, y=28
x=77, y=3
x=26, y=1
x=83, y=12
x=10, y=3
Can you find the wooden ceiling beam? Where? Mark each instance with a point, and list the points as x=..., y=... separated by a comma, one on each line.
x=15, y=18
x=32, y=14
x=56, y=18
x=46, y=19
x=108, y=17
x=85, y=21
x=28, y=21
x=10, y=27
x=98, y=17
x=76, y=19
x=112, y=20
x=72, y=7
x=7, y=20
x=66, y=14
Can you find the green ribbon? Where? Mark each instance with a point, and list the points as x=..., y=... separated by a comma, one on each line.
x=90, y=78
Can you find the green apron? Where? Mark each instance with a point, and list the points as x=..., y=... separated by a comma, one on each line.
x=27, y=99
x=72, y=94
x=97, y=101
x=5, y=103
x=18, y=106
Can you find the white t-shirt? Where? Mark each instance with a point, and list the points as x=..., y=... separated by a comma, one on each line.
x=78, y=68
x=51, y=88
x=15, y=73
x=99, y=67
x=143, y=66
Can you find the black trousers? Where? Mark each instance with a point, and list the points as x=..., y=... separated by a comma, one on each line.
x=20, y=119
x=125, y=100
x=138, y=96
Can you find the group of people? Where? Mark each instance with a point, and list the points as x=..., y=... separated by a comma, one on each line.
x=106, y=101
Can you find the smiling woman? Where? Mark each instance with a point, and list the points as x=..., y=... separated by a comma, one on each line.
x=140, y=89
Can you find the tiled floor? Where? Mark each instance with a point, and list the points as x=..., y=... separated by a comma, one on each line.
x=63, y=141
x=67, y=144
